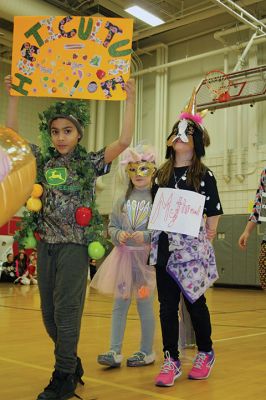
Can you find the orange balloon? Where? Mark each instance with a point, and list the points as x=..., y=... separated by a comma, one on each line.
x=37, y=190
x=34, y=204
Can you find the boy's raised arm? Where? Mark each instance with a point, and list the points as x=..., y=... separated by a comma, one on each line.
x=115, y=148
x=12, y=107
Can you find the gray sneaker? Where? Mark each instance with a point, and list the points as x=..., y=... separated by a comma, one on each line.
x=140, y=359
x=110, y=358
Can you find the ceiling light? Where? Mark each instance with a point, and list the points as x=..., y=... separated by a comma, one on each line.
x=144, y=15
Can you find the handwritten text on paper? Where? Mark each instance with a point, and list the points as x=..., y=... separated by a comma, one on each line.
x=177, y=211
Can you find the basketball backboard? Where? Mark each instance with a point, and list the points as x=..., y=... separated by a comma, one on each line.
x=245, y=87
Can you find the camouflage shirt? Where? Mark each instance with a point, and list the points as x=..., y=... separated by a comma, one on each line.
x=61, y=195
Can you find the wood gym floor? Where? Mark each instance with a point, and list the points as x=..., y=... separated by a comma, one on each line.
x=239, y=335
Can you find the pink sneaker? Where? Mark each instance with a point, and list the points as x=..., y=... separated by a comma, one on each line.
x=170, y=371
x=202, y=365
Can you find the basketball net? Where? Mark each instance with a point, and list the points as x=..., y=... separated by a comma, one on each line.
x=218, y=83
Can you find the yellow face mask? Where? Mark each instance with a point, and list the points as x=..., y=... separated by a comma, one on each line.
x=142, y=168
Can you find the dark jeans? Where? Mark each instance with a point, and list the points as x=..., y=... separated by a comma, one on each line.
x=169, y=296
x=62, y=278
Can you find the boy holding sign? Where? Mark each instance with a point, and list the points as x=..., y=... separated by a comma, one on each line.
x=185, y=263
x=67, y=173
x=257, y=216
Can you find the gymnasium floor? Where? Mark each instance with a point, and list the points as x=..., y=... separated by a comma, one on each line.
x=239, y=334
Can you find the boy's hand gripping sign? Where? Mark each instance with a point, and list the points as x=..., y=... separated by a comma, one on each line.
x=178, y=211
x=75, y=57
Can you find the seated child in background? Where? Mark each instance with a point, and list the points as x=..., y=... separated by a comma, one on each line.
x=21, y=263
x=8, y=269
x=30, y=275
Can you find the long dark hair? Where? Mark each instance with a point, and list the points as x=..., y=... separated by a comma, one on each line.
x=24, y=259
x=196, y=170
x=194, y=174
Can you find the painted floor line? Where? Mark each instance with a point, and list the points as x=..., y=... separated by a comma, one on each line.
x=100, y=382
x=132, y=389
x=239, y=337
x=125, y=387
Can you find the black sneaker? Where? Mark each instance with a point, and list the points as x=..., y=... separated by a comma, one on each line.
x=61, y=387
x=79, y=372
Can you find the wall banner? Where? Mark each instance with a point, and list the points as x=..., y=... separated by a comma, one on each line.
x=71, y=57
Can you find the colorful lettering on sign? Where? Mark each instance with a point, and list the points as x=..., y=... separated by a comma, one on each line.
x=71, y=56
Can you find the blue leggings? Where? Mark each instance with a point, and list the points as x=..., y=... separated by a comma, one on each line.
x=119, y=316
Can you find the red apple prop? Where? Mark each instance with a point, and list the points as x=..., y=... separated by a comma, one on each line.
x=83, y=216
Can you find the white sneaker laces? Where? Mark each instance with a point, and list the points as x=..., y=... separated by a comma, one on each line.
x=168, y=364
x=201, y=357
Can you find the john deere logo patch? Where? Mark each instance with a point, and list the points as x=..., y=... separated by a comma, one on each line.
x=56, y=176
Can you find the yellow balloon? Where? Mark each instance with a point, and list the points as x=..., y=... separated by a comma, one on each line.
x=17, y=173
x=34, y=204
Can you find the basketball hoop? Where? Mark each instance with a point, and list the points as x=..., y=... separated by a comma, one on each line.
x=218, y=83
x=218, y=90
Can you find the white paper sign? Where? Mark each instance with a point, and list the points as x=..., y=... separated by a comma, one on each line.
x=177, y=211
x=262, y=216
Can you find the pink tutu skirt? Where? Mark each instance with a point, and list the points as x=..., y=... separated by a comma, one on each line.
x=125, y=273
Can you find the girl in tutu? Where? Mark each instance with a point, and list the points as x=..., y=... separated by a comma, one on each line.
x=125, y=272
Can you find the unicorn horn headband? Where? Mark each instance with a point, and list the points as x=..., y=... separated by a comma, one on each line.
x=190, y=111
x=189, y=123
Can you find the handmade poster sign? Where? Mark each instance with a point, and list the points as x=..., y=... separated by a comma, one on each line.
x=177, y=211
x=76, y=57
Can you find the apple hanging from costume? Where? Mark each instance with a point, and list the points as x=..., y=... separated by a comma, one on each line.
x=83, y=216
x=29, y=241
x=96, y=250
